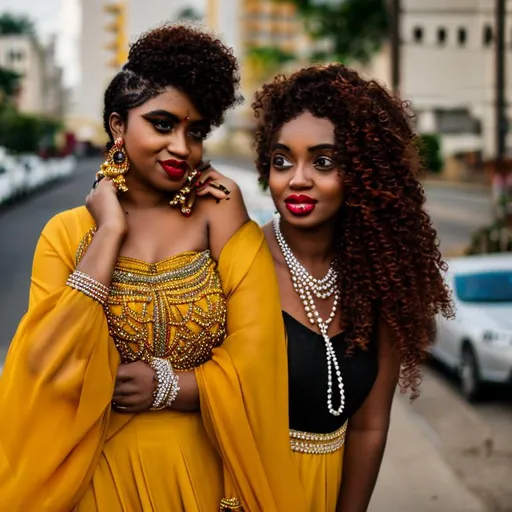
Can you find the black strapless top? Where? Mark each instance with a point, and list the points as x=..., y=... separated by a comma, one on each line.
x=307, y=378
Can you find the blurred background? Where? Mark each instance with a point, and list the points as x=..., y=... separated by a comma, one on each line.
x=451, y=449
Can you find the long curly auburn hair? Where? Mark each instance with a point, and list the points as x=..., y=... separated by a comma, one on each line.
x=389, y=259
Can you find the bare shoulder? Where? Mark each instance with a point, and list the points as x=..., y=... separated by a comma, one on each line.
x=268, y=231
x=225, y=215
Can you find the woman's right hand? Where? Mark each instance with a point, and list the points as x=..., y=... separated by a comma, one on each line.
x=104, y=206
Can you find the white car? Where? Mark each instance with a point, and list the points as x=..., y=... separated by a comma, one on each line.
x=15, y=172
x=478, y=343
x=6, y=191
x=36, y=171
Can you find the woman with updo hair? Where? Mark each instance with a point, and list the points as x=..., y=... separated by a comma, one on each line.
x=149, y=372
x=358, y=265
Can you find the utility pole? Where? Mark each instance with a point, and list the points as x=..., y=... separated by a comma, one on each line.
x=501, y=120
x=501, y=115
x=394, y=25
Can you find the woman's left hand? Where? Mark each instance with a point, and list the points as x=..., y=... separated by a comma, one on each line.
x=134, y=388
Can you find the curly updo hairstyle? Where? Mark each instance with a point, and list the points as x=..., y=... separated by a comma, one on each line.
x=180, y=56
x=389, y=259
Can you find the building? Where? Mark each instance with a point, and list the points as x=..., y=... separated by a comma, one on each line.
x=258, y=31
x=447, y=70
x=252, y=25
x=55, y=94
x=96, y=69
x=41, y=87
x=22, y=54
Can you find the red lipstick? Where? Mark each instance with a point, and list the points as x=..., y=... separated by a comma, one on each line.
x=175, y=169
x=300, y=204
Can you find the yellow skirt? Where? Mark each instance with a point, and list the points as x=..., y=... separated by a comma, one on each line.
x=159, y=461
x=319, y=458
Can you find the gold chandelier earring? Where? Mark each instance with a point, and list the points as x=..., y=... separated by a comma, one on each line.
x=186, y=195
x=116, y=165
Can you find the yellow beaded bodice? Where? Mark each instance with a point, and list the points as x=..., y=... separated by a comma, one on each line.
x=172, y=309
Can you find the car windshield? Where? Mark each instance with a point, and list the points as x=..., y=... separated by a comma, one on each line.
x=484, y=287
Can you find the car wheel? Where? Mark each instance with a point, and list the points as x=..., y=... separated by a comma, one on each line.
x=470, y=382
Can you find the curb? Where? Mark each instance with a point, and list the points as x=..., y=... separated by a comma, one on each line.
x=456, y=185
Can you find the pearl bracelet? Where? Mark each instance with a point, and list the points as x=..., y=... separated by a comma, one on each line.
x=167, y=387
x=89, y=286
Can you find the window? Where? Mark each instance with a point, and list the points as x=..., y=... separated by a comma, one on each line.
x=15, y=56
x=456, y=121
x=462, y=36
x=488, y=35
x=417, y=34
x=441, y=35
x=484, y=287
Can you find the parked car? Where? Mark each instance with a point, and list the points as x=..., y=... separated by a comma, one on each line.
x=5, y=184
x=15, y=174
x=478, y=342
x=36, y=171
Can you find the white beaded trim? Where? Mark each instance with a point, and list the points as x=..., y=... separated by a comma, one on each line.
x=317, y=444
x=89, y=286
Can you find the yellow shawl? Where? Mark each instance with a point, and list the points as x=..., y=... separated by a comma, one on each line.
x=56, y=388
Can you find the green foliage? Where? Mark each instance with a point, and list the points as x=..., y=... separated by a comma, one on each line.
x=355, y=29
x=24, y=133
x=188, y=14
x=270, y=56
x=9, y=83
x=265, y=62
x=430, y=152
x=11, y=24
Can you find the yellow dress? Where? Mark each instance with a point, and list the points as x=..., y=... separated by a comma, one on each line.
x=65, y=449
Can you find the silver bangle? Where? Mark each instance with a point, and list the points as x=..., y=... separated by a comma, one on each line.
x=89, y=286
x=167, y=386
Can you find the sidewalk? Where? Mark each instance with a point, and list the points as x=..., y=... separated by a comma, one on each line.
x=414, y=477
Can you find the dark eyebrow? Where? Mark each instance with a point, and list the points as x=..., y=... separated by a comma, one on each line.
x=162, y=113
x=172, y=117
x=320, y=147
x=312, y=149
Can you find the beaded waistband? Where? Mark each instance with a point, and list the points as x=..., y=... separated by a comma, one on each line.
x=306, y=442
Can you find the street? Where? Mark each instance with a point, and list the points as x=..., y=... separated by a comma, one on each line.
x=475, y=440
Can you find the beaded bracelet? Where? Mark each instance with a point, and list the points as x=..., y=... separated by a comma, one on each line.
x=167, y=386
x=89, y=286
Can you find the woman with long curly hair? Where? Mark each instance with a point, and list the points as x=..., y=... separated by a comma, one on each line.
x=359, y=269
x=149, y=372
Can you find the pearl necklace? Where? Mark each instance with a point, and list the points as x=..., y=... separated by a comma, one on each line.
x=309, y=287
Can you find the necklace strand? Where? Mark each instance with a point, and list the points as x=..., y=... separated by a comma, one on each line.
x=308, y=287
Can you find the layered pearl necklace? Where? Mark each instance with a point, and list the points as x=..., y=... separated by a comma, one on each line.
x=309, y=287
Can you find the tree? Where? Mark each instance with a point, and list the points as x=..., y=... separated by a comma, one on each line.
x=11, y=24
x=430, y=152
x=263, y=62
x=355, y=29
x=188, y=14
x=9, y=83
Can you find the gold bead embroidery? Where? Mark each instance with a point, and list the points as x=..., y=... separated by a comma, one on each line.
x=318, y=444
x=174, y=309
x=227, y=504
